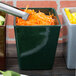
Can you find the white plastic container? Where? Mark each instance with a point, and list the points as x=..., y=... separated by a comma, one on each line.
x=70, y=44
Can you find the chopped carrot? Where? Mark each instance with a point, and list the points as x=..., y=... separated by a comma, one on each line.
x=35, y=18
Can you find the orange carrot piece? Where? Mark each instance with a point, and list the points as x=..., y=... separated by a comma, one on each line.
x=35, y=19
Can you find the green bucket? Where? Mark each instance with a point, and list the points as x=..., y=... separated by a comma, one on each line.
x=36, y=45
